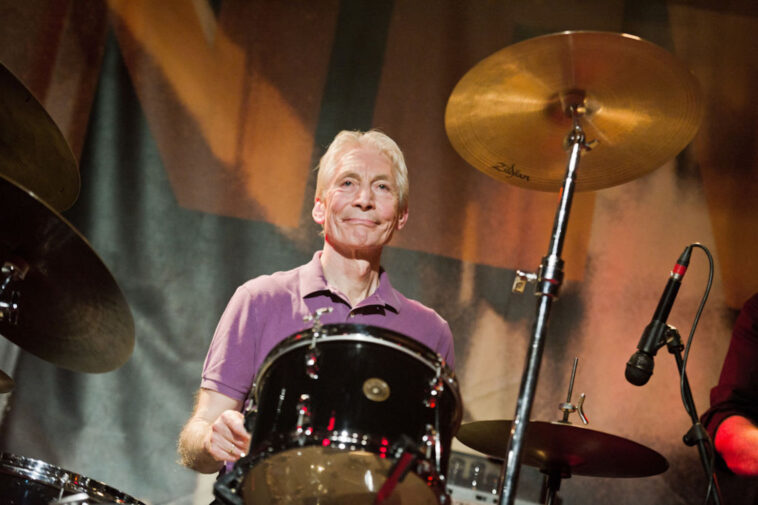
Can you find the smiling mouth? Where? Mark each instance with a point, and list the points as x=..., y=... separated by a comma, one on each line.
x=358, y=221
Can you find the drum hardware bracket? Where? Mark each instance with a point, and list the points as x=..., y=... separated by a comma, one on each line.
x=63, y=480
x=225, y=488
x=13, y=271
x=431, y=440
x=311, y=361
x=304, y=427
x=251, y=413
x=316, y=318
x=549, y=278
x=436, y=387
x=312, y=356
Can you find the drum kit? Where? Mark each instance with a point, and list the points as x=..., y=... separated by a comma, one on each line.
x=386, y=437
x=621, y=105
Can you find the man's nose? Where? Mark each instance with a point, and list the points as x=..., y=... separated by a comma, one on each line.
x=364, y=197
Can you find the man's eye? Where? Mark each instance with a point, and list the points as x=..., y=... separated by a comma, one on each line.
x=347, y=183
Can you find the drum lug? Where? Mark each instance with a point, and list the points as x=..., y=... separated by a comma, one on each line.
x=311, y=357
x=304, y=427
x=436, y=387
x=431, y=443
x=311, y=362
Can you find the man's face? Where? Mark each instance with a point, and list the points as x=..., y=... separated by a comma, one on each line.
x=359, y=210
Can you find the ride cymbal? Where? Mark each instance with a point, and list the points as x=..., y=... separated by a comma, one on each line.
x=639, y=107
x=33, y=152
x=556, y=447
x=60, y=302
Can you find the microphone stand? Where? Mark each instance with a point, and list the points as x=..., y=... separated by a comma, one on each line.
x=696, y=434
x=549, y=281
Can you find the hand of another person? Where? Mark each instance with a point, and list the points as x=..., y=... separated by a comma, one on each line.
x=227, y=439
x=737, y=441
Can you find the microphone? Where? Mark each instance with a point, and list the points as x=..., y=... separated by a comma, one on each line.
x=639, y=368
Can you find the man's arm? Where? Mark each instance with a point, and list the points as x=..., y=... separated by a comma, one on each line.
x=214, y=434
x=737, y=442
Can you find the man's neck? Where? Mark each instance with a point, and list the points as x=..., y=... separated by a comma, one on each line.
x=356, y=276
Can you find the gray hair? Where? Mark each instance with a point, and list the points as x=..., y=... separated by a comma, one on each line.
x=347, y=140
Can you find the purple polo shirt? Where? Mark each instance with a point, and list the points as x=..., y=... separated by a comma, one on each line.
x=266, y=310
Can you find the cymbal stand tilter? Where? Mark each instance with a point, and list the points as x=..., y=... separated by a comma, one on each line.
x=555, y=472
x=548, y=280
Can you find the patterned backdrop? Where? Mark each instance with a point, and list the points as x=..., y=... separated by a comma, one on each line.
x=196, y=125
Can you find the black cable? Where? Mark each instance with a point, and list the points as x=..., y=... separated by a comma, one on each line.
x=710, y=447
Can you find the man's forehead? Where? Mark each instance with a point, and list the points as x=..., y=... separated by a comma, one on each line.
x=359, y=160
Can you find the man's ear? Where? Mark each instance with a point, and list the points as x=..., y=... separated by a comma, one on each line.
x=402, y=219
x=319, y=211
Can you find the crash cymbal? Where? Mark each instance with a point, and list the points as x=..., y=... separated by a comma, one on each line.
x=70, y=311
x=33, y=152
x=639, y=106
x=556, y=447
x=6, y=383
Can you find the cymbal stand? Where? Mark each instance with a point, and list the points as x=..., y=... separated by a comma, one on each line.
x=696, y=434
x=551, y=485
x=549, y=280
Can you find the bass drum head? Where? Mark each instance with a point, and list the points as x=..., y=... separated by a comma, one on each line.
x=27, y=481
x=327, y=476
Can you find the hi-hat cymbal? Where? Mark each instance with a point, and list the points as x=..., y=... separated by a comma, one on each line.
x=70, y=312
x=33, y=152
x=556, y=447
x=640, y=105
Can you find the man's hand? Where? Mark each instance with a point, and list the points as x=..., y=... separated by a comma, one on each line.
x=215, y=434
x=227, y=439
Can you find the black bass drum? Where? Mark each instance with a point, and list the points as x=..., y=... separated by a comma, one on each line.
x=27, y=481
x=347, y=412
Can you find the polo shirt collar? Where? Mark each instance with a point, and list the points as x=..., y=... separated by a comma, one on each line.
x=313, y=282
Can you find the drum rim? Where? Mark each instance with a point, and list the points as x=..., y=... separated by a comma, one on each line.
x=51, y=475
x=337, y=332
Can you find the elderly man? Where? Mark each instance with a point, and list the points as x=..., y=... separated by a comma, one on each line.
x=361, y=199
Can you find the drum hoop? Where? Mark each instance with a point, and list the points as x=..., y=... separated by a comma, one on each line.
x=352, y=333
x=51, y=475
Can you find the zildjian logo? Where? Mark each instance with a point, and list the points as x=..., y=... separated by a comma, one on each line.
x=510, y=170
